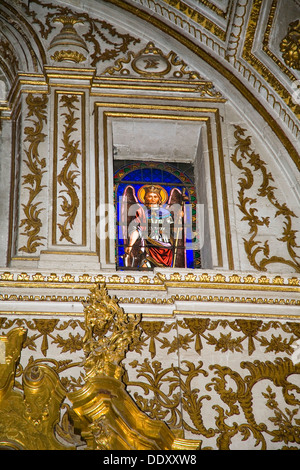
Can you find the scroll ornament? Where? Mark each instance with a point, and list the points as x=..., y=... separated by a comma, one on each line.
x=252, y=168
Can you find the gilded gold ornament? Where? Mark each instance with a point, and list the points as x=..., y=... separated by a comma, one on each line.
x=69, y=56
x=290, y=46
x=32, y=181
x=247, y=161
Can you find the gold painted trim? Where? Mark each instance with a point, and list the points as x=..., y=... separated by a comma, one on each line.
x=206, y=120
x=154, y=302
x=199, y=18
x=40, y=313
x=195, y=99
x=249, y=56
x=160, y=314
x=158, y=282
x=10, y=248
x=229, y=314
x=59, y=252
x=148, y=287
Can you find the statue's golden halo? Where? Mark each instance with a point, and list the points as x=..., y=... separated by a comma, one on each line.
x=147, y=188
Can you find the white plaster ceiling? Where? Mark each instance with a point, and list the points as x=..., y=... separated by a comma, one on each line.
x=160, y=140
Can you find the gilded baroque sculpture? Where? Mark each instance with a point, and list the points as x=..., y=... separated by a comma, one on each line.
x=105, y=413
x=28, y=419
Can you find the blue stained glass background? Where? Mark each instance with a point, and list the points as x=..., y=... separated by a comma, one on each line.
x=157, y=175
x=135, y=175
x=147, y=175
x=169, y=178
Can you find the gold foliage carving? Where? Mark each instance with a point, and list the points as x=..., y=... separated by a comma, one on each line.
x=47, y=329
x=248, y=162
x=290, y=46
x=243, y=336
x=36, y=165
x=188, y=394
x=144, y=382
x=166, y=390
x=67, y=176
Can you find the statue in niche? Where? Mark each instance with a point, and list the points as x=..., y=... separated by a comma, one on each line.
x=154, y=222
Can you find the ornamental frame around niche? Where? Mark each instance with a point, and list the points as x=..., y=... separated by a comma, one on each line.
x=104, y=112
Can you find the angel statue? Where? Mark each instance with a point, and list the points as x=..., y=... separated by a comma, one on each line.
x=153, y=232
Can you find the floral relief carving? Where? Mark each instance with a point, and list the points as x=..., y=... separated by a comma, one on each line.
x=186, y=395
x=252, y=167
x=200, y=375
x=69, y=174
x=32, y=181
x=190, y=386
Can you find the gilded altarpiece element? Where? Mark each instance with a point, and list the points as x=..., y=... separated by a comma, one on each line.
x=290, y=46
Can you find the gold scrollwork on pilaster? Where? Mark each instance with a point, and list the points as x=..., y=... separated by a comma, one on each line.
x=67, y=177
x=69, y=171
x=247, y=161
x=36, y=165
